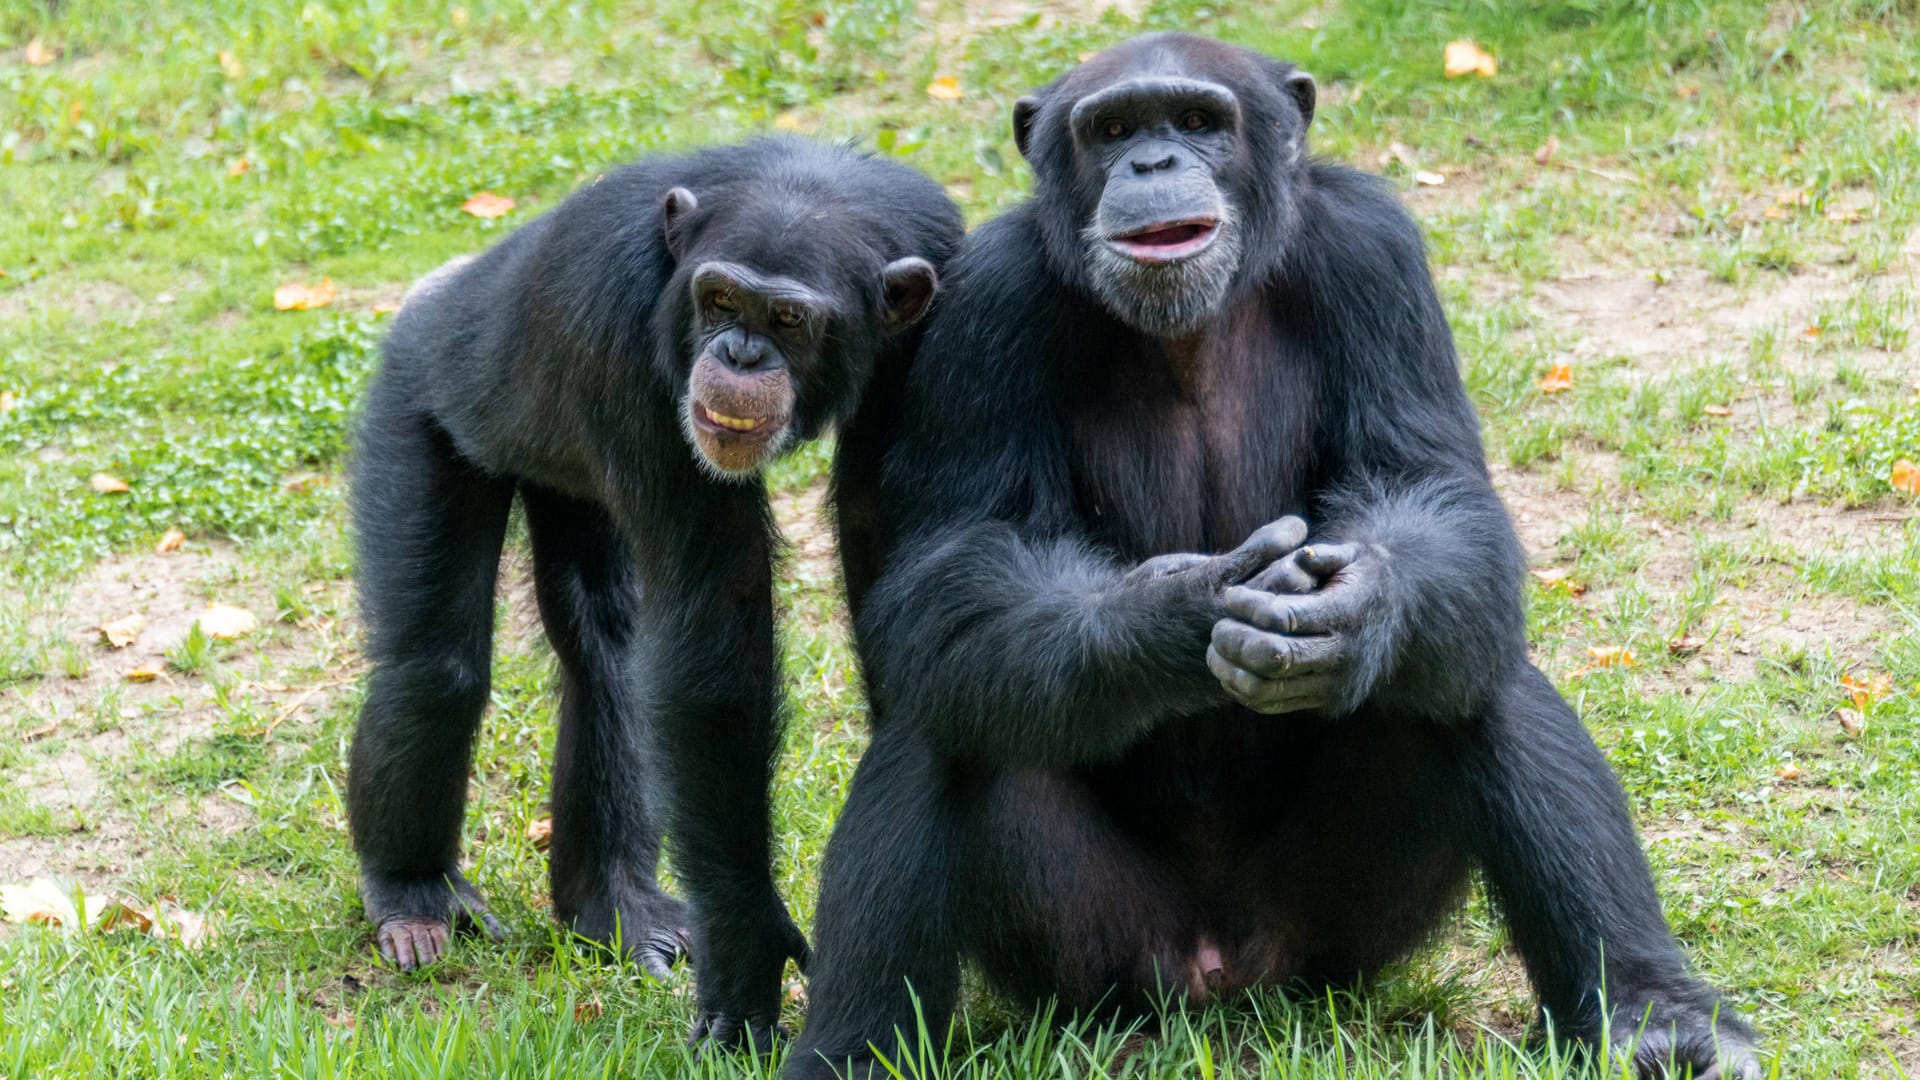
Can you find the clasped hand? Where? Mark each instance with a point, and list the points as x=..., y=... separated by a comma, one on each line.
x=1288, y=638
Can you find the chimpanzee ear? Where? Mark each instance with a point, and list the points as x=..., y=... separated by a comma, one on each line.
x=1300, y=85
x=679, y=202
x=910, y=284
x=1025, y=112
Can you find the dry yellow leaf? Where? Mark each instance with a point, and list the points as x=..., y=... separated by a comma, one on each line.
x=43, y=901
x=945, y=88
x=299, y=296
x=146, y=672
x=588, y=1011
x=1789, y=771
x=123, y=631
x=1905, y=477
x=1851, y=721
x=239, y=167
x=1717, y=410
x=170, y=541
x=231, y=66
x=39, y=54
x=8, y=402
x=540, y=832
x=1561, y=578
x=1684, y=645
x=1612, y=656
x=107, y=485
x=1865, y=692
x=488, y=205
x=1463, y=57
x=1558, y=379
x=224, y=622
x=191, y=929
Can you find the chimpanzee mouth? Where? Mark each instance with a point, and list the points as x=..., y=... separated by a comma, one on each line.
x=1167, y=242
x=743, y=425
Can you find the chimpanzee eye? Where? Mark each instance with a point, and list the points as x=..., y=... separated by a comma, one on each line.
x=723, y=301
x=1114, y=128
x=787, y=317
x=1195, y=121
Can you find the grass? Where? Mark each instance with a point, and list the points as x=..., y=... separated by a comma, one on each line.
x=1710, y=209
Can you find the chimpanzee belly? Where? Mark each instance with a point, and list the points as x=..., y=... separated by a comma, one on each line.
x=1303, y=849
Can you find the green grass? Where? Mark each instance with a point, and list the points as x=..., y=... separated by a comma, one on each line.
x=1723, y=244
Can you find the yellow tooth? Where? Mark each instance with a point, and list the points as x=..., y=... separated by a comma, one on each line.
x=733, y=423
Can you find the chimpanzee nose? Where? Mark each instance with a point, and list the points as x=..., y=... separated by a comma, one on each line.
x=1147, y=164
x=745, y=352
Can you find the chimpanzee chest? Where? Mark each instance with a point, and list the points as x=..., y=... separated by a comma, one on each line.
x=1192, y=448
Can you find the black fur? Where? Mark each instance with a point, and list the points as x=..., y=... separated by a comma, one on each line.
x=565, y=365
x=1066, y=786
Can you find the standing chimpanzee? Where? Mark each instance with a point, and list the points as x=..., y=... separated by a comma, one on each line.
x=626, y=363
x=1077, y=781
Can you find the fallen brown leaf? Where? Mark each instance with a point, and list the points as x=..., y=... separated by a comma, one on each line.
x=171, y=540
x=1864, y=692
x=540, y=832
x=1561, y=578
x=108, y=485
x=488, y=205
x=42, y=731
x=1613, y=656
x=1685, y=645
x=946, y=88
x=224, y=622
x=146, y=672
x=1717, y=410
x=1905, y=477
x=585, y=1012
x=1851, y=721
x=1558, y=379
x=299, y=296
x=1789, y=771
x=1547, y=150
x=1463, y=57
x=8, y=402
x=123, y=631
x=39, y=54
x=239, y=167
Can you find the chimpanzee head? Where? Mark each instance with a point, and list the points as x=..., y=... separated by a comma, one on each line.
x=1167, y=171
x=785, y=291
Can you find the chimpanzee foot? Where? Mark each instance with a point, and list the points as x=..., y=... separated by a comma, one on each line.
x=723, y=1031
x=414, y=918
x=1670, y=1038
x=740, y=984
x=649, y=926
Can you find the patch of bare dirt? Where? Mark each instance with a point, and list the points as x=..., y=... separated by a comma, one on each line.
x=1688, y=319
x=84, y=302
x=802, y=516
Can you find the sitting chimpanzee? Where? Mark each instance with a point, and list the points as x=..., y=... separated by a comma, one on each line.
x=626, y=364
x=1101, y=769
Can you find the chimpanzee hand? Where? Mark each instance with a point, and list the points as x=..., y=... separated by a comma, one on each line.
x=1289, y=647
x=1268, y=545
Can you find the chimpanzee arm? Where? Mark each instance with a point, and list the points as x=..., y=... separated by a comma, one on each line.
x=1421, y=607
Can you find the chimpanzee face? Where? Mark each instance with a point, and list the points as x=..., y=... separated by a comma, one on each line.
x=1153, y=144
x=783, y=340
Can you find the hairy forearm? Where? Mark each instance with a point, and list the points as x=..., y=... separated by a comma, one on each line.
x=1450, y=617
x=1038, y=653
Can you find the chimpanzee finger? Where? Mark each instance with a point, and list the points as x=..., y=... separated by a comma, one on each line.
x=1284, y=576
x=1325, y=560
x=1270, y=695
x=1326, y=611
x=1274, y=540
x=1276, y=656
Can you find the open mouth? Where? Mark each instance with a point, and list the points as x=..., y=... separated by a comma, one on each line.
x=1168, y=241
x=743, y=424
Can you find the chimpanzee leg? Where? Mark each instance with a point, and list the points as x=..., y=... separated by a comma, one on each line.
x=711, y=679
x=1551, y=827
x=1021, y=871
x=605, y=843
x=430, y=527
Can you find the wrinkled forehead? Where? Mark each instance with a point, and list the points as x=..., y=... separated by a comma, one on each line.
x=786, y=242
